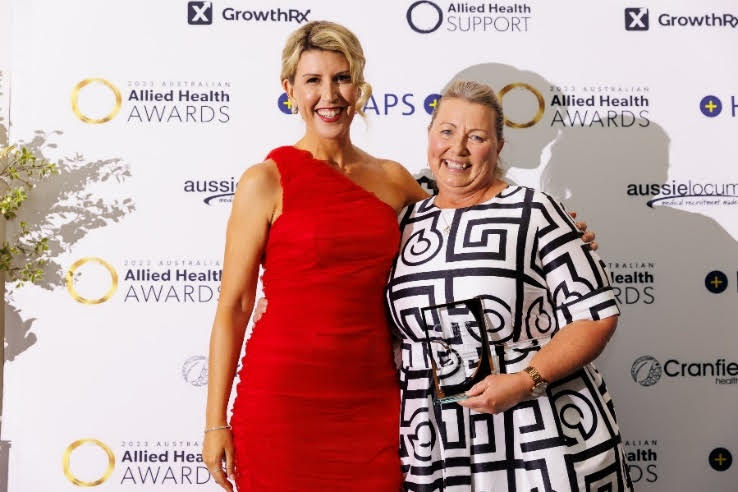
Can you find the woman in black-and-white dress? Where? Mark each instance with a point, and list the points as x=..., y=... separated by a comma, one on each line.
x=546, y=423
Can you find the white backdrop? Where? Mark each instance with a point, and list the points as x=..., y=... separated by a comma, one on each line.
x=117, y=388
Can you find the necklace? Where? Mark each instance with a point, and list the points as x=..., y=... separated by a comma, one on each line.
x=447, y=228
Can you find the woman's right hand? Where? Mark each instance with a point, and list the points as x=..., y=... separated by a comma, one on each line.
x=260, y=309
x=218, y=444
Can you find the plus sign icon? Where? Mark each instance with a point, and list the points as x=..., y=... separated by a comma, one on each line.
x=720, y=459
x=716, y=282
x=711, y=106
x=284, y=104
x=431, y=102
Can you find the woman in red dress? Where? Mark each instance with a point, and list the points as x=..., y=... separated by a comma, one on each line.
x=317, y=406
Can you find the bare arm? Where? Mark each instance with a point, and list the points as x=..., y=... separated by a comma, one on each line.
x=255, y=205
x=576, y=345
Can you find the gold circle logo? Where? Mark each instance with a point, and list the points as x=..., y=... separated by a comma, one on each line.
x=76, y=481
x=534, y=91
x=75, y=101
x=73, y=291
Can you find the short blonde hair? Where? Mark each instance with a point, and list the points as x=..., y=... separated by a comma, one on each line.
x=478, y=93
x=327, y=36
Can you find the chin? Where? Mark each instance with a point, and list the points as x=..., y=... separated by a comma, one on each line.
x=452, y=184
x=332, y=132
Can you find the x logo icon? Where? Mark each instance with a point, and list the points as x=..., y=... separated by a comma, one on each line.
x=199, y=13
x=636, y=19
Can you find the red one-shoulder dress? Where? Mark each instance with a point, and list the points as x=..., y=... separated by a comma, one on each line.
x=317, y=406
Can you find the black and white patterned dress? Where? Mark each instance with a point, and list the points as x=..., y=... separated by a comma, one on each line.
x=521, y=253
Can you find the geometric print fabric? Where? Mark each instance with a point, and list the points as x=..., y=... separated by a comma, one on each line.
x=522, y=255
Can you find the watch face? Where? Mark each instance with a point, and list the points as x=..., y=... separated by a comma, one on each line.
x=539, y=389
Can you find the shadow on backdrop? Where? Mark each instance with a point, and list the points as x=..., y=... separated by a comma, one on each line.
x=590, y=168
x=672, y=315
x=64, y=208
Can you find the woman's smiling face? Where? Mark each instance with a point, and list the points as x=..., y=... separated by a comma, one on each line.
x=324, y=93
x=463, y=147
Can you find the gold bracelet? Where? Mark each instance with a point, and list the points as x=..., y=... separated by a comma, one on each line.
x=539, y=382
x=218, y=428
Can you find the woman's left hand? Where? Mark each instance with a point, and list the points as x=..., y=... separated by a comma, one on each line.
x=587, y=236
x=498, y=392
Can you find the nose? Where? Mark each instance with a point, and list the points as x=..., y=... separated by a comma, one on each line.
x=459, y=144
x=330, y=91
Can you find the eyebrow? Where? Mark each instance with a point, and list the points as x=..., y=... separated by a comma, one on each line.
x=343, y=72
x=471, y=130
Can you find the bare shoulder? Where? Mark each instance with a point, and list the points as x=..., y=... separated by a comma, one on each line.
x=259, y=181
x=391, y=170
x=399, y=185
x=263, y=174
x=394, y=169
x=259, y=188
x=397, y=173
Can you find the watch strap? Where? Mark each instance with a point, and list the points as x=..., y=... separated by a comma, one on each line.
x=539, y=382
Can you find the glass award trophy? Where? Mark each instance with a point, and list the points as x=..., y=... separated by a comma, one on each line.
x=458, y=346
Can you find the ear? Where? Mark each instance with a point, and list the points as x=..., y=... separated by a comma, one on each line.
x=287, y=87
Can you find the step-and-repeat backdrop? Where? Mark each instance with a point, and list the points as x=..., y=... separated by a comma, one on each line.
x=626, y=111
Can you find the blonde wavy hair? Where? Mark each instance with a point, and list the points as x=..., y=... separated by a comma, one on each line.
x=327, y=36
